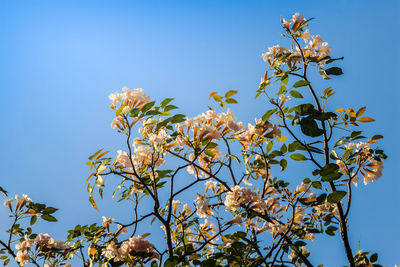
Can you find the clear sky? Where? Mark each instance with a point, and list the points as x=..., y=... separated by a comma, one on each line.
x=61, y=59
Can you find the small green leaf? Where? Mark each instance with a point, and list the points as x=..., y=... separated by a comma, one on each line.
x=3, y=191
x=304, y=109
x=177, y=118
x=374, y=257
x=171, y=262
x=170, y=107
x=165, y=102
x=295, y=94
x=208, y=153
x=147, y=106
x=316, y=185
x=49, y=210
x=230, y=93
x=334, y=71
x=298, y=157
x=217, y=98
x=230, y=101
x=301, y=83
x=283, y=164
x=310, y=128
x=33, y=219
x=336, y=196
x=48, y=218
x=268, y=114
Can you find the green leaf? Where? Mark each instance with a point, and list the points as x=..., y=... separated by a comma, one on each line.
x=148, y=106
x=329, y=169
x=230, y=101
x=134, y=112
x=49, y=210
x=170, y=107
x=230, y=93
x=208, y=153
x=316, y=185
x=295, y=94
x=165, y=102
x=374, y=257
x=310, y=127
x=33, y=219
x=284, y=148
x=323, y=116
x=282, y=90
x=217, y=98
x=283, y=164
x=269, y=146
x=301, y=83
x=171, y=262
x=48, y=218
x=334, y=71
x=285, y=79
x=298, y=157
x=177, y=118
x=294, y=146
x=330, y=172
x=336, y=196
x=330, y=60
x=304, y=109
x=268, y=114
x=3, y=191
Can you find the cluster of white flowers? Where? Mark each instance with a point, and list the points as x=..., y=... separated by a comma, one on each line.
x=136, y=244
x=302, y=188
x=297, y=19
x=361, y=146
x=317, y=47
x=210, y=184
x=21, y=202
x=203, y=207
x=375, y=173
x=244, y=196
x=42, y=241
x=107, y=221
x=324, y=208
x=125, y=102
x=375, y=167
x=143, y=155
x=255, y=134
x=135, y=97
x=156, y=139
x=272, y=52
x=209, y=126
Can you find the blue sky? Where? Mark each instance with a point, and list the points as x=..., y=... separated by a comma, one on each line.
x=61, y=59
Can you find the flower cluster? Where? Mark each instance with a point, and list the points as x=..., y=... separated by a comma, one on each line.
x=125, y=102
x=43, y=242
x=257, y=134
x=21, y=202
x=244, y=196
x=370, y=168
x=316, y=48
x=125, y=250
